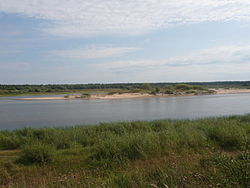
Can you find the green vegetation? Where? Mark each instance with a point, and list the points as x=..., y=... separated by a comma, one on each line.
x=85, y=95
x=211, y=152
x=38, y=153
x=12, y=90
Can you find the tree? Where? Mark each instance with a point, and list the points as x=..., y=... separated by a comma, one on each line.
x=146, y=86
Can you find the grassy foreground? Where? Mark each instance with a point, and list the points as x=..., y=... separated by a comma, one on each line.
x=200, y=153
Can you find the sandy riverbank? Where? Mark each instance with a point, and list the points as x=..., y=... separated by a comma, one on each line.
x=133, y=95
x=99, y=96
x=122, y=96
x=231, y=91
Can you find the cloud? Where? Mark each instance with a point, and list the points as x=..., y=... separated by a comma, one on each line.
x=98, y=17
x=13, y=66
x=219, y=63
x=219, y=55
x=8, y=52
x=94, y=52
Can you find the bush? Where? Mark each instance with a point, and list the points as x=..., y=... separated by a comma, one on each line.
x=37, y=153
x=146, y=86
x=153, y=93
x=9, y=142
x=85, y=95
x=169, y=91
x=183, y=86
x=198, y=88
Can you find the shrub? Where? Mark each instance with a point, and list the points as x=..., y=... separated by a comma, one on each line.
x=146, y=86
x=85, y=95
x=183, y=86
x=157, y=90
x=191, y=92
x=169, y=91
x=153, y=93
x=135, y=90
x=9, y=142
x=37, y=153
x=198, y=88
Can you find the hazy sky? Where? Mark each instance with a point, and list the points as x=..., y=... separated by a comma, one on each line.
x=89, y=41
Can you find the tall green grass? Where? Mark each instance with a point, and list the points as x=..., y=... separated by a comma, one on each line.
x=111, y=150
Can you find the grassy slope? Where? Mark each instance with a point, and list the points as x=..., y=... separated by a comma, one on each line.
x=200, y=153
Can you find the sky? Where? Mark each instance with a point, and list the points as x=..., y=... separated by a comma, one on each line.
x=121, y=41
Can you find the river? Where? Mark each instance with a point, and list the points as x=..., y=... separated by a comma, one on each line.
x=51, y=113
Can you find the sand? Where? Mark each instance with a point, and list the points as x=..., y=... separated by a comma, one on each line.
x=122, y=96
x=231, y=91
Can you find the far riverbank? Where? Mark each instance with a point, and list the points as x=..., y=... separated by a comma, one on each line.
x=135, y=95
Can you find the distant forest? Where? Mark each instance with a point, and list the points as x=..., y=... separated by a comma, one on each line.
x=19, y=89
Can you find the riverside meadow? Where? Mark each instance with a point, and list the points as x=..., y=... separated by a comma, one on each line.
x=212, y=152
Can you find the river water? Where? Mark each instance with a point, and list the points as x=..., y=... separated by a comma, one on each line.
x=51, y=113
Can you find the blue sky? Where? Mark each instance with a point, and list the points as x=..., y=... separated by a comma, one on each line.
x=97, y=41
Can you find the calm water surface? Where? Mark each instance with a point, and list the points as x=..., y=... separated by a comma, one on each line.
x=19, y=114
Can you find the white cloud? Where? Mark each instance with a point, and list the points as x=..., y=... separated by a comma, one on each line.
x=13, y=66
x=9, y=52
x=94, y=52
x=219, y=63
x=100, y=17
x=225, y=55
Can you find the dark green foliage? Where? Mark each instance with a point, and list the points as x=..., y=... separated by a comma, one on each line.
x=37, y=153
x=183, y=86
x=7, y=142
x=12, y=140
x=157, y=89
x=146, y=86
x=168, y=91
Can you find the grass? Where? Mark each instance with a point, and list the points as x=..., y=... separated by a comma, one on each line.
x=210, y=152
x=67, y=92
